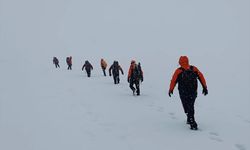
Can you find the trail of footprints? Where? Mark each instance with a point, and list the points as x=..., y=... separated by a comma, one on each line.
x=215, y=136
x=212, y=135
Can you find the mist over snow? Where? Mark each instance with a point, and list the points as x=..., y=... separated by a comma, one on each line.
x=44, y=108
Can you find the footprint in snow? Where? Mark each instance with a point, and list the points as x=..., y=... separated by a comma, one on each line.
x=160, y=109
x=151, y=105
x=215, y=136
x=247, y=121
x=240, y=147
x=172, y=115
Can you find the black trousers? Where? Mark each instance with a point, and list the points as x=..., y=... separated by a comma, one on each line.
x=57, y=65
x=116, y=79
x=104, y=72
x=188, y=101
x=69, y=67
x=88, y=73
x=137, y=86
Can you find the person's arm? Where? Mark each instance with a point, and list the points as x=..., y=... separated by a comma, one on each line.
x=202, y=80
x=200, y=77
x=83, y=66
x=129, y=73
x=120, y=68
x=174, y=81
x=110, y=68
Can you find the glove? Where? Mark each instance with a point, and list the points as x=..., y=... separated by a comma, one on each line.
x=170, y=93
x=128, y=80
x=204, y=91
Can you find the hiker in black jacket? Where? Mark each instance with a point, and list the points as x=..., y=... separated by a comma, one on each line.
x=88, y=67
x=56, y=62
x=115, y=68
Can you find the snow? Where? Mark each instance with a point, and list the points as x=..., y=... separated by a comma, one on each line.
x=42, y=107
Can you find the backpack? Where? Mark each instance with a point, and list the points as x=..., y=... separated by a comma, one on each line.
x=88, y=66
x=115, y=68
x=137, y=73
x=187, y=81
x=67, y=60
x=55, y=60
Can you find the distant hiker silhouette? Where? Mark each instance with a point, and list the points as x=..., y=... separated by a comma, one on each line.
x=186, y=76
x=69, y=62
x=135, y=75
x=103, y=66
x=115, y=68
x=88, y=67
x=56, y=62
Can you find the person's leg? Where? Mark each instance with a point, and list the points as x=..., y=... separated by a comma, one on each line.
x=191, y=111
x=186, y=105
x=131, y=83
x=88, y=73
x=104, y=72
x=184, y=102
x=137, y=85
x=114, y=77
x=118, y=79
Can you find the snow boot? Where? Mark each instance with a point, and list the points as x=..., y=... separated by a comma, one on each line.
x=193, y=124
x=133, y=91
x=188, y=120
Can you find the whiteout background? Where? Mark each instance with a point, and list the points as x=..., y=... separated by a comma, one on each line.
x=46, y=108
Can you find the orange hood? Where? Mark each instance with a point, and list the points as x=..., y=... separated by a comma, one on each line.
x=183, y=61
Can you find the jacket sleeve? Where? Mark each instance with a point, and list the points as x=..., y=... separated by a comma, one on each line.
x=201, y=77
x=105, y=64
x=83, y=66
x=129, y=72
x=110, y=68
x=120, y=68
x=174, y=79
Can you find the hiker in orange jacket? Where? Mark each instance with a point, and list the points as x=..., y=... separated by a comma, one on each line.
x=186, y=76
x=135, y=75
x=103, y=66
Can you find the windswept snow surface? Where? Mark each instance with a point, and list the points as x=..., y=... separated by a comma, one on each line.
x=44, y=108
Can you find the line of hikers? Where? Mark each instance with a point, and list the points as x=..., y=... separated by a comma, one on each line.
x=186, y=76
x=135, y=73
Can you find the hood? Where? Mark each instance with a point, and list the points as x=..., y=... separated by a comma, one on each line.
x=183, y=61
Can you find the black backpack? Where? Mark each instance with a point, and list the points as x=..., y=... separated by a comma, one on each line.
x=55, y=60
x=137, y=73
x=187, y=81
x=88, y=65
x=67, y=60
x=115, y=68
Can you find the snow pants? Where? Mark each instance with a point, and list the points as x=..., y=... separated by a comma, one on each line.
x=116, y=78
x=137, y=86
x=188, y=104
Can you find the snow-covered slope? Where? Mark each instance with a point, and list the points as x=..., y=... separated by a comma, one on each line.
x=55, y=109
